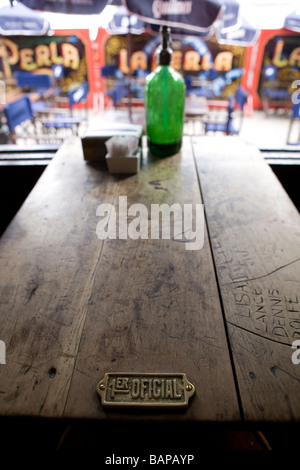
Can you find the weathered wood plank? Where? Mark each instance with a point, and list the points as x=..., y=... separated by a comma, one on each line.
x=155, y=308
x=48, y=257
x=255, y=233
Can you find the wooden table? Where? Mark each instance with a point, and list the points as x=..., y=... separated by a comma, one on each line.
x=195, y=110
x=74, y=307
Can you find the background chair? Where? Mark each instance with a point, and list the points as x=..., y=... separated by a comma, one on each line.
x=295, y=118
x=274, y=92
x=78, y=95
x=23, y=126
x=198, y=87
x=218, y=122
x=64, y=119
x=41, y=87
x=41, y=83
x=113, y=83
x=17, y=113
x=31, y=81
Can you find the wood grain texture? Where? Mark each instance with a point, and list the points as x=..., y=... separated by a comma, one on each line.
x=48, y=257
x=155, y=308
x=74, y=307
x=255, y=232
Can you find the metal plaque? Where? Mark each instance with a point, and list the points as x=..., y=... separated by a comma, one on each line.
x=121, y=389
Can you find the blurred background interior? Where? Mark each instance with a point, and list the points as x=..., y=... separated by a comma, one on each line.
x=64, y=73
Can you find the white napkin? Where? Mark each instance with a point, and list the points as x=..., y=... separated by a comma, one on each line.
x=122, y=146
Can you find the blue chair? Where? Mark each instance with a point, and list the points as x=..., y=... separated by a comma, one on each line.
x=227, y=126
x=33, y=80
x=202, y=89
x=274, y=92
x=62, y=121
x=188, y=80
x=42, y=84
x=114, y=83
x=18, y=112
x=78, y=95
x=109, y=71
x=57, y=70
x=39, y=83
x=21, y=121
x=270, y=72
x=295, y=117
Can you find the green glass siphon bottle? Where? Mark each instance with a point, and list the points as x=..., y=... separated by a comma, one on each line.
x=164, y=103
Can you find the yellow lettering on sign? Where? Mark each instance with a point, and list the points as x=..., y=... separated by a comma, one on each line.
x=123, y=61
x=70, y=56
x=176, y=60
x=154, y=62
x=10, y=50
x=56, y=59
x=138, y=60
x=26, y=60
x=277, y=61
x=191, y=61
x=3, y=50
x=8, y=56
x=42, y=55
x=223, y=61
x=294, y=58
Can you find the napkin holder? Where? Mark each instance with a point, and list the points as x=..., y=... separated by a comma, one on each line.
x=123, y=154
x=94, y=140
x=130, y=164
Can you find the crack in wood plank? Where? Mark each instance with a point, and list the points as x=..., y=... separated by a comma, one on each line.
x=257, y=334
x=263, y=275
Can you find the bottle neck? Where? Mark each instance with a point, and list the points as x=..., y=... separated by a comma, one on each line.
x=165, y=53
x=165, y=39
